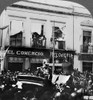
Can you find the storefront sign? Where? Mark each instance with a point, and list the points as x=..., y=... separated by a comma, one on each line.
x=39, y=53
x=62, y=54
x=29, y=52
x=25, y=53
x=86, y=57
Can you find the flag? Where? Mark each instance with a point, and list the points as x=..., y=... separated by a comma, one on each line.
x=63, y=79
x=54, y=78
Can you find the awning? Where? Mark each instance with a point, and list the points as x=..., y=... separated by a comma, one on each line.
x=16, y=27
x=13, y=35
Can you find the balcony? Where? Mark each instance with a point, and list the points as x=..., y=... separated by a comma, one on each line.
x=86, y=53
x=86, y=49
x=17, y=41
x=38, y=43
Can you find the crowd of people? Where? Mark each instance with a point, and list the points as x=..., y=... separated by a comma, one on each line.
x=77, y=81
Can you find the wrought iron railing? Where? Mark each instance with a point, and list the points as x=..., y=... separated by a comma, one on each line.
x=86, y=48
x=17, y=41
x=36, y=43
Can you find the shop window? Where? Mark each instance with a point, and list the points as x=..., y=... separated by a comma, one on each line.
x=15, y=67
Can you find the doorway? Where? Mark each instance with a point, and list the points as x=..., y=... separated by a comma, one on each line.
x=15, y=67
x=87, y=66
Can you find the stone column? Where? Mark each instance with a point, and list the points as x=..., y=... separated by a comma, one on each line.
x=27, y=33
x=48, y=33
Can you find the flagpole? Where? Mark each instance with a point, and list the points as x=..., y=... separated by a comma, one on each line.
x=53, y=54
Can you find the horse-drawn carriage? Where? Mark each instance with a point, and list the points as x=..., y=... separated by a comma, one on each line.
x=34, y=88
x=38, y=88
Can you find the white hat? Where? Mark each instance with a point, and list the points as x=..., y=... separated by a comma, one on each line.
x=44, y=61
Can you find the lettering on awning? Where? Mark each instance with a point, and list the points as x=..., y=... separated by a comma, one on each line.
x=43, y=53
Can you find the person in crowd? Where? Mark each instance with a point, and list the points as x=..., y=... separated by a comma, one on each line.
x=77, y=80
x=90, y=46
x=85, y=46
x=43, y=71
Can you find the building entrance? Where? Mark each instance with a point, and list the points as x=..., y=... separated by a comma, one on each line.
x=15, y=66
x=87, y=66
x=34, y=66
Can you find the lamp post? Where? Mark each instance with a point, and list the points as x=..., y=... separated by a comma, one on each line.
x=73, y=27
x=53, y=53
x=59, y=39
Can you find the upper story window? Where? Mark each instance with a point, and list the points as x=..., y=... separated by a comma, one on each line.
x=87, y=46
x=58, y=36
x=16, y=40
x=16, y=32
x=38, y=34
x=86, y=37
x=87, y=42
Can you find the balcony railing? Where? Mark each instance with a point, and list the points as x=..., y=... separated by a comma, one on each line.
x=86, y=49
x=36, y=43
x=17, y=41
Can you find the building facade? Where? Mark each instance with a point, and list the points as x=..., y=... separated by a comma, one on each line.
x=31, y=25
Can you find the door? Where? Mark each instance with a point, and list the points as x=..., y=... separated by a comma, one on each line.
x=87, y=66
x=15, y=66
